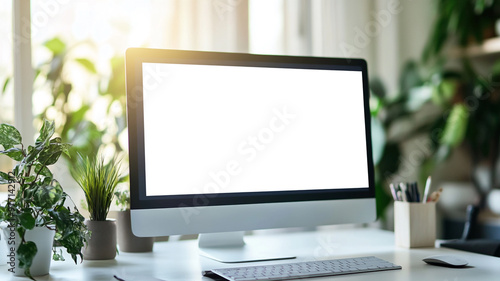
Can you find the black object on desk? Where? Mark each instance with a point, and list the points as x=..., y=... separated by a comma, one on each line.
x=489, y=247
x=481, y=246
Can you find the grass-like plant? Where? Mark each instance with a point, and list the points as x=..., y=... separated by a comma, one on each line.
x=98, y=181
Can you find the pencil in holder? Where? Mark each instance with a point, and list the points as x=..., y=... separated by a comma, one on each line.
x=415, y=224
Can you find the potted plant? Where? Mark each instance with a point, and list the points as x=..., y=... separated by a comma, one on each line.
x=465, y=22
x=35, y=210
x=127, y=241
x=98, y=181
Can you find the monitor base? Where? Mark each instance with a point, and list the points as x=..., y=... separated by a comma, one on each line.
x=229, y=247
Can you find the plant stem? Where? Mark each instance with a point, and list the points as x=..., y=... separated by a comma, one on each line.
x=22, y=188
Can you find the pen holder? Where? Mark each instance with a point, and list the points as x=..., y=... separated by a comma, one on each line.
x=415, y=224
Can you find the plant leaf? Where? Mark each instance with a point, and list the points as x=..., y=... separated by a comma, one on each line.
x=29, y=179
x=390, y=161
x=410, y=77
x=43, y=170
x=71, y=231
x=17, y=169
x=46, y=132
x=383, y=199
x=47, y=196
x=55, y=45
x=7, y=146
x=58, y=256
x=51, y=154
x=27, y=221
x=417, y=97
x=87, y=64
x=25, y=253
x=9, y=135
x=456, y=126
x=14, y=153
x=33, y=153
x=3, y=213
x=5, y=178
x=377, y=88
x=5, y=84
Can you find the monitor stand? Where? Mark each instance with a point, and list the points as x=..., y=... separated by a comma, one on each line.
x=229, y=247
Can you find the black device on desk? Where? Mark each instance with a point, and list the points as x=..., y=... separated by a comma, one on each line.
x=481, y=246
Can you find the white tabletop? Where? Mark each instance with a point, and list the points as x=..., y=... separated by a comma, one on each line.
x=180, y=260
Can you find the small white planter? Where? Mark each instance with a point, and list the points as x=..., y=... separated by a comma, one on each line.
x=43, y=238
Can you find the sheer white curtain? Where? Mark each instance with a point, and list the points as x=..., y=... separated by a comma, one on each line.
x=217, y=25
x=341, y=28
x=348, y=28
x=384, y=32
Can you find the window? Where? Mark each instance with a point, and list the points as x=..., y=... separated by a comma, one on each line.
x=6, y=90
x=6, y=95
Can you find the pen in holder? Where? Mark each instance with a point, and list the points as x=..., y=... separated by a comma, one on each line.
x=414, y=224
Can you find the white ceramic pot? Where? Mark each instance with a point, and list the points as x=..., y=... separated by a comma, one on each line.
x=3, y=249
x=42, y=237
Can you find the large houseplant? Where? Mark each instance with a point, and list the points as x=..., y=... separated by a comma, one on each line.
x=468, y=97
x=36, y=200
x=442, y=110
x=465, y=22
x=98, y=181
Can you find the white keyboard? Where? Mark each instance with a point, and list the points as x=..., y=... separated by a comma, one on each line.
x=305, y=269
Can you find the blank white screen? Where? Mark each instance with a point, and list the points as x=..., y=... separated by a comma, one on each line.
x=210, y=129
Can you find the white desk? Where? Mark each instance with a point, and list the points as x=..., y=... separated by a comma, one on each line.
x=180, y=260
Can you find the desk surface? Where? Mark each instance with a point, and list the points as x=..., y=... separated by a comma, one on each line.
x=180, y=260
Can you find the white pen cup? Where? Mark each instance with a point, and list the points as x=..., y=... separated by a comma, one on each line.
x=414, y=224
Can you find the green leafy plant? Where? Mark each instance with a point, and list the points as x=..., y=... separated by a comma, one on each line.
x=469, y=104
x=39, y=198
x=123, y=200
x=465, y=20
x=454, y=109
x=75, y=124
x=98, y=181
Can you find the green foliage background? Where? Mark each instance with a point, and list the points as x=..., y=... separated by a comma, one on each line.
x=76, y=125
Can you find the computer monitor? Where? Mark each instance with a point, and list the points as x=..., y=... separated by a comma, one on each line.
x=229, y=142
